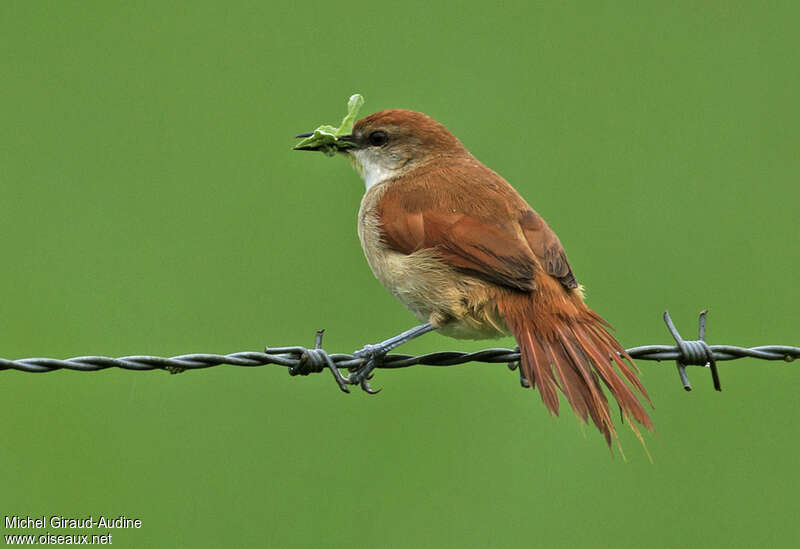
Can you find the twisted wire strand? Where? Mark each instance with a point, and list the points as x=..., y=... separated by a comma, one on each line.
x=291, y=357
x=685, y=353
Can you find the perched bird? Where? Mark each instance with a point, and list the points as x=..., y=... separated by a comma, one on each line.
x=458, y=246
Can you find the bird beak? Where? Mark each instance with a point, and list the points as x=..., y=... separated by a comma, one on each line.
x=342, y=142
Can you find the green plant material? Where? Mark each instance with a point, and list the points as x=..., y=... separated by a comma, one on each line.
x=326, y=137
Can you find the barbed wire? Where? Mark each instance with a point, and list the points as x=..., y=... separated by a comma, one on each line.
x=303, y=361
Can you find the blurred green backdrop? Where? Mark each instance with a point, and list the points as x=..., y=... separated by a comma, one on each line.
x=150, y=204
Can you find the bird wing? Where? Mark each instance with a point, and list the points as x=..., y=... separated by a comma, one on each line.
x=492, y=234
x=547, y=247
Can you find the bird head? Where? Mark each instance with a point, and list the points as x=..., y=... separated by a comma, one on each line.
x=389, y=143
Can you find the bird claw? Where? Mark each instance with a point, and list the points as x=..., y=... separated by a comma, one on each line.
x=340, y=380
x=514, y=365
x=360, y=375
x=523, y=381
x=366, y=387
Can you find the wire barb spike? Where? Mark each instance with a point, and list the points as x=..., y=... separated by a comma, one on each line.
x=693, y=353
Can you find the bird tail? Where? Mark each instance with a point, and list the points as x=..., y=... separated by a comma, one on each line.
x=566, y=346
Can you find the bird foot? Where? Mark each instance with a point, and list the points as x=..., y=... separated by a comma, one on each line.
x=523, y=381
x=360, y=375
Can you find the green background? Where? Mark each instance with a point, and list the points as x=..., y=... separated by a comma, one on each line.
x=150, y=203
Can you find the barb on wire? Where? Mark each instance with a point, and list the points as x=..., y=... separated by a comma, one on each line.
x=302, y=361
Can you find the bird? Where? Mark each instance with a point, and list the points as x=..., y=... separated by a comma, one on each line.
x=457, y=245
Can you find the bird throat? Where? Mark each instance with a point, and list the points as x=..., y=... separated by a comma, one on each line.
x=370, y=170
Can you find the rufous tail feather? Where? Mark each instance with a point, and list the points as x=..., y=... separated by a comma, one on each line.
x=565, y=346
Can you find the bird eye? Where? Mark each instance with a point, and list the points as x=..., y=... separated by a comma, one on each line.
x=378, y=138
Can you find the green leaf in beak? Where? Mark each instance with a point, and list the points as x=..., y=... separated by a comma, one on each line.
x=326, y=138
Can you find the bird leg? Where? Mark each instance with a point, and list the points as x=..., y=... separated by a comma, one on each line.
x=523, y=381
x=374, y=355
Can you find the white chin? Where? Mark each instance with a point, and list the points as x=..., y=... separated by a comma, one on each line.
x=371, y=171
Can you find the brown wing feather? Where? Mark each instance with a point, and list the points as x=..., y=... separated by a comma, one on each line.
x=498, y=238
x=490, y=251
x=547, y=247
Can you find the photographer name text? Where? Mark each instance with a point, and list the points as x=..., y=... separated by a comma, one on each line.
x=73, y=523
